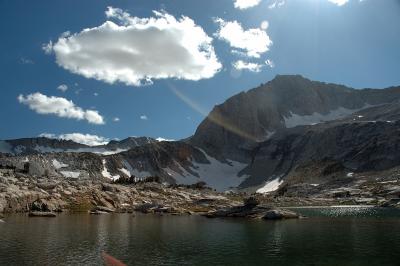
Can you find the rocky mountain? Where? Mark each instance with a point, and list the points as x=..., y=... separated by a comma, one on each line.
x=336, y=149
x=27, y=146
x=290, y=135
x=234, y=128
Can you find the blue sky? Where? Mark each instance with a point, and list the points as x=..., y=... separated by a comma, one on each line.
x=352, y=42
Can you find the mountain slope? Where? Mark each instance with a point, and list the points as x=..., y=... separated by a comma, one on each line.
x=39, y=145
x=233, y=128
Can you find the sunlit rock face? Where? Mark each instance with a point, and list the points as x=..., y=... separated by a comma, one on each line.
x=233, y=129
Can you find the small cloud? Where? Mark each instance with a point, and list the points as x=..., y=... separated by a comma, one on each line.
x=62, y=88
x=276, y=4
x=95, y=94
x=116, y=119
x=26, y=61
x=47, y=47
x=163, y=139
x=87, y=139
x=60, y=107
x=144, y=117
x=245, y=4
x=339, y=2
x=270, y=63
x=264, y=25
x=253, y=42
x=252, y=67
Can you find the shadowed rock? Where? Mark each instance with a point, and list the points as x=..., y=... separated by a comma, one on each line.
x=280, y=214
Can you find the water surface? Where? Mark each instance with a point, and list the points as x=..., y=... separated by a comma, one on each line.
x=331, y=236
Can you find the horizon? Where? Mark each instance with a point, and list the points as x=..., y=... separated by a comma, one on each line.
x=110, y=104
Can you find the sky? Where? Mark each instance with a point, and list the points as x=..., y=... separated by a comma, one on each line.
x=93, y=71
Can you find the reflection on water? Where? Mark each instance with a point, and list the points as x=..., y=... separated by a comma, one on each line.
x=331, y=236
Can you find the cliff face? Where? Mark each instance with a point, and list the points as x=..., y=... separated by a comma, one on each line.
x=233, y=128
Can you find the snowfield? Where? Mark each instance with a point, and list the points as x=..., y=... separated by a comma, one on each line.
x=270, y=186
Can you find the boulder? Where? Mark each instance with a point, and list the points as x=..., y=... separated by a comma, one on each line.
x=251, y=202
x=39, y=206
x=47, y=185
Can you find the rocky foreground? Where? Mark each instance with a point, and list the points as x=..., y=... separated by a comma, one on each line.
x=21, y=193
x=44, y=196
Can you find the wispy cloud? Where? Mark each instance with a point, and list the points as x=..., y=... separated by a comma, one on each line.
x=116, y=119
x=60, y=107
x=136, y=51
x=276, y=4
x=62, y=88
x=26, y=61
x=252, y=67
x=270, y=63
x=144, y=117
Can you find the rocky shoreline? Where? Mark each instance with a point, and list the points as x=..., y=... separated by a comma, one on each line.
x=20, y=193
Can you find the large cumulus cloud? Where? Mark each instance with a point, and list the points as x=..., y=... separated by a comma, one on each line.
x=136, y=51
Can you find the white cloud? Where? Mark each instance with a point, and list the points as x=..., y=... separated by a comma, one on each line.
x=116, y=119
x=264, y=25
x=60, y=107
x=163, y=139
x=144, y=117
x=244, y=4
x=276, y=4
x=136, y=51
x=62, y=88
x=253, y=42
x=87, y=139
x=339, y=2
x=252, y=67
x=270, y=63
x=95, y=94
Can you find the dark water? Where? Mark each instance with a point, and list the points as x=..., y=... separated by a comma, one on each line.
x=336, y=236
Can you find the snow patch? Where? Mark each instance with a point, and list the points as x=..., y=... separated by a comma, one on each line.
x=218, y=175
x=125, y=171
x=350, y=174
x=270, y=186
x=70, y=174
x=139, y=175
x=107, y=174
x=297, y=120
x=58, y=165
